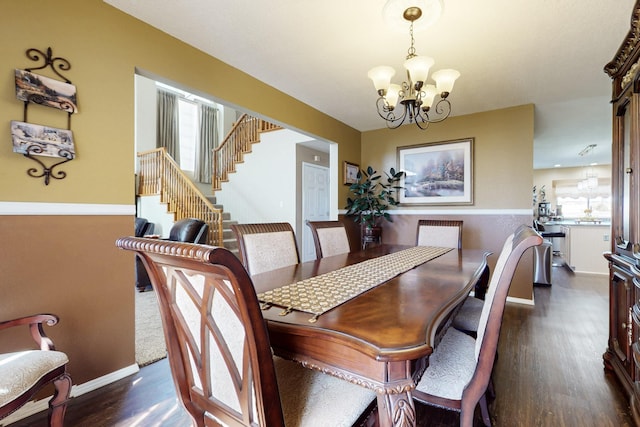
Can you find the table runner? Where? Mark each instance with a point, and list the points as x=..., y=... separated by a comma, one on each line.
x=319, y=294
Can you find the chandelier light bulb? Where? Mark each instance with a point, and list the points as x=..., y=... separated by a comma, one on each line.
x=445, y=80
x=381, y=77
x=418, y=68
x=393, y=94
x=429, y=93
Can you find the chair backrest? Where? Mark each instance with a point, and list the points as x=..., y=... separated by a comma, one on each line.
x=491, y=318
x=221, y=362
x=439, y=232
x=329, y=237
x=265, y=247
x=189, y=230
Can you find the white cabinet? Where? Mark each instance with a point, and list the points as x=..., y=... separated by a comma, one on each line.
x=584, y=246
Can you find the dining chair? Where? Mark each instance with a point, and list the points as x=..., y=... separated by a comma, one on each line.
x=190, y=230
x=448, y=233
x=267, y=246
x=329, y=237
x=23, y=373
x=460, y=367
x=219, y=350
x=439, y=232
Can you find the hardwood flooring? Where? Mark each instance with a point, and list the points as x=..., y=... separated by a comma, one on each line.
x=549, y=372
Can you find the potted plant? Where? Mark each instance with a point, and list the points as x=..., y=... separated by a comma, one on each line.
x=370, y=199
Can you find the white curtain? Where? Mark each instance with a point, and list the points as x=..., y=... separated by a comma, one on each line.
x=208, y=141
x=168, y=134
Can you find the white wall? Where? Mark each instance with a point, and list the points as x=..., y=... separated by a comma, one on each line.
x=263, y=188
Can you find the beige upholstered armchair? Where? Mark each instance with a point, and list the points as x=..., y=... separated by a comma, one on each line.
x=24, y=372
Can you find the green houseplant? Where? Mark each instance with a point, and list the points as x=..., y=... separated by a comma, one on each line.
x=371, y=196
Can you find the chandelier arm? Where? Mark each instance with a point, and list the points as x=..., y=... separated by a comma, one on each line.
x=393, y=122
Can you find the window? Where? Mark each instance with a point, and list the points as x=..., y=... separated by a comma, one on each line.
x=576, y=200
x=188, y=117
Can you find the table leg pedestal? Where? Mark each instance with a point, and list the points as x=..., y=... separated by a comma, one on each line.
x=396, y=410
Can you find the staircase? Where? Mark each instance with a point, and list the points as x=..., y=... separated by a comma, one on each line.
x=160, y=175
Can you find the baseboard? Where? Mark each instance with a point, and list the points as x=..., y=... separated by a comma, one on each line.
x=522, y=301
x=36, y=406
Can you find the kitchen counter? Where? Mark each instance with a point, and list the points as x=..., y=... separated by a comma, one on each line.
x=582, y=247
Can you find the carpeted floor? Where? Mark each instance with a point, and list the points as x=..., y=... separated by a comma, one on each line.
x=150, y=345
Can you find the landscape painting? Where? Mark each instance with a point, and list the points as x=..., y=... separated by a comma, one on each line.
x=437, y=173
x=45, y=91
x=42, y=140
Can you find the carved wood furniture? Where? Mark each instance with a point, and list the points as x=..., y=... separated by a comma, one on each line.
x=622, y=356
x=266, y=246
x=219, y=351
x=448, y=233
x=380, y=339
x=459, y=371
x=329, y=238
x=23, y=373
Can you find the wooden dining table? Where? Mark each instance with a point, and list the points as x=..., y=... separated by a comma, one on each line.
x=380, y=339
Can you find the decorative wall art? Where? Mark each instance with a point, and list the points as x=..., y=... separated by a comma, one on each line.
x=42, y=140
x=42, y=90
x=350, y=173
x=439, y=173
x=33, y=140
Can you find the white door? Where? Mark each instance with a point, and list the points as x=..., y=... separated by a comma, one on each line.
x=315, y=204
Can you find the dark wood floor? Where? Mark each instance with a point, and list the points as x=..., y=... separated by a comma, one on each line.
x=549, y=371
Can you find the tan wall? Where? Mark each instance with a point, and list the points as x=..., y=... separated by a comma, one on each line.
x=502, y=172
x=68, y=264
x=503, y=153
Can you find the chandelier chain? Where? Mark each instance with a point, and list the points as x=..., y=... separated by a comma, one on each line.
x=411, y=52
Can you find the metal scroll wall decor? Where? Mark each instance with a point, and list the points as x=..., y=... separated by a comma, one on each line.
x=38, y=141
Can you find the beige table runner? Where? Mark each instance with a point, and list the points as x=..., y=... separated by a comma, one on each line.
x=320, y=294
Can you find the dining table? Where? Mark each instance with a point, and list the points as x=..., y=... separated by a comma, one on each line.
x=381, y=335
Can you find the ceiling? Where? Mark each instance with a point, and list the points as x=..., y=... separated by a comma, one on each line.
x=509, y=52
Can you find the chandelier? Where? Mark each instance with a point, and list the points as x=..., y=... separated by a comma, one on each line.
x=414, y=98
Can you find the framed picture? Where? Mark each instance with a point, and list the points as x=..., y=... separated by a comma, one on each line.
x=439, y=173
x=350, y=173
x=42, y=140
x=42, y=90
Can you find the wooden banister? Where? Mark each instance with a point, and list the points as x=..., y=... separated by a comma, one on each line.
x=160, y=174
x=245, y=132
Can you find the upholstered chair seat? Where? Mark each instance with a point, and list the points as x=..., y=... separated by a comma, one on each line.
x=20, y=371
x=311, y=398
x=451, y=366
x=468, y=316
x=24, y=373
x=459, y=371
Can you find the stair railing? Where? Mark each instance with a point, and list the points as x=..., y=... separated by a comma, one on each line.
x=245, y=132
x=160, y=175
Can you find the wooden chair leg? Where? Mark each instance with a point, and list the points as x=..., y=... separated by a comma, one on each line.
x=58, y=403
x=484, y=409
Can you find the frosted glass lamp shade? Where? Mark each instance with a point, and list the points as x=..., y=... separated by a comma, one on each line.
x=445, y=80
x=418, y=68
x=428, y=95
x=381, y=77
x=393, y=93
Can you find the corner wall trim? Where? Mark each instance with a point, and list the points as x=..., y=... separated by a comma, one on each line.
x=35, y=406
x=34, y=208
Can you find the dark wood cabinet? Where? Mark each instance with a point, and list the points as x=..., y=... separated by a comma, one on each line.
x=622, y=356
